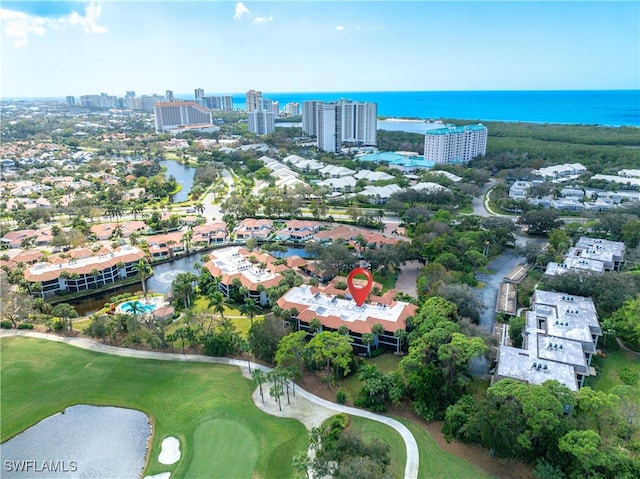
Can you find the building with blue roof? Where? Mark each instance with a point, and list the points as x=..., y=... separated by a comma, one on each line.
x=455, y=144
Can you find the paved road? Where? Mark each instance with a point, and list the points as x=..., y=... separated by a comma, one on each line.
x=412, y=464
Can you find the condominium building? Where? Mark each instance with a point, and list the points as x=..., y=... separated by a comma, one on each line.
x=261, y=122
x=84, y=273
x=235, y=263
x=310, y=117
x=198, y=93
x=560, y=338
x=335, y=308
x=455, y=144
x=253, y=100
x=168, y=95
x=292, y=109
x=71, y=101
x=171, y=115
x=343, y=121
x=224, y=103
x=591, y=255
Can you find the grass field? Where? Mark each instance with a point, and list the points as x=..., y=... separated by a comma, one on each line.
x=205, y=405
x=438, y=464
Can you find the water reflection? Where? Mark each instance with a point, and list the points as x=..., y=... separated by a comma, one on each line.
x=183, y=175
x=82, y=441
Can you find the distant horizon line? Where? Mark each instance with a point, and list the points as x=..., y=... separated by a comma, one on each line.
x=46, y=97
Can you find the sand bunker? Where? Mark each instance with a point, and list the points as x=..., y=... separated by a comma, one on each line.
x=170, y=453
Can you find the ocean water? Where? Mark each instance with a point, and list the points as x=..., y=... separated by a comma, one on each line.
x=609, y=108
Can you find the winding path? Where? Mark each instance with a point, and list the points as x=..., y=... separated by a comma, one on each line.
x=329, y=408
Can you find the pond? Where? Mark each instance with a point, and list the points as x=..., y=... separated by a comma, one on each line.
x=81, y=441
x=183, y=175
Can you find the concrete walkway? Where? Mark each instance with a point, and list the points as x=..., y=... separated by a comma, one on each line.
x=306, y=407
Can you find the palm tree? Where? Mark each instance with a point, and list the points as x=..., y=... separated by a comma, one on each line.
x=218, y=301
x=136, y=209
x=259, y=378
x=186, y=239
x=143, y=269
x=368, y=339
x=250, y=308
x=199, y=207
x=377, y=330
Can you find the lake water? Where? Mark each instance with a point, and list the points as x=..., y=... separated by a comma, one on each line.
x=183, y=175
x=81, y=442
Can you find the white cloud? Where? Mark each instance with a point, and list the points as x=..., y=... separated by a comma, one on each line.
x=263, y=19
x=241, y=10
x=19, y=26
x=340, y=28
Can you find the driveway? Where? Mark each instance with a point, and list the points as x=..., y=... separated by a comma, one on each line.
x=302, y=407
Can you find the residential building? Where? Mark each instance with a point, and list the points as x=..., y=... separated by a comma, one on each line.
x=253, y=101
x=198, y=93
x=168, y=95
x=310, y=117
x=455, y=144
x=299, y=231
x=292, y=109
x=253, y=228
x=80, y=274
x=559, y=340
x=209, y=233
x=567, y=170
x=261, y=122
x=590, y=254
x=175, y=114
x=345, y=121
x=335, y=308
x=218, y=102
x=71, y=101
x=235, y=263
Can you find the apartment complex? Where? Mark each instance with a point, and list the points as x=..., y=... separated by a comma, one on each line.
x=250, y=269
x=80, y=274
x=261, y=122
x=560, y=338
x=335, y=308
x=175, y=114
x=591, y=255
x=343, y=121
x=253, y=100
x=224, y=102
x=455, y=144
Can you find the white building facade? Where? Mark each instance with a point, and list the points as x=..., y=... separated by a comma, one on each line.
x=170, y=115
x=455, y=144
x=261, y=122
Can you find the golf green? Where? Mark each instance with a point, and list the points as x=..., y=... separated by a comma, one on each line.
x=207, y=407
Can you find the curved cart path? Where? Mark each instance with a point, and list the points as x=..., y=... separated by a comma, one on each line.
x=299, y=408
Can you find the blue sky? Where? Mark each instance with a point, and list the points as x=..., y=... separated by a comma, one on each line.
x=76, y=48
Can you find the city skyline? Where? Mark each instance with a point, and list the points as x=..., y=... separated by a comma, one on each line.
x=55, y=49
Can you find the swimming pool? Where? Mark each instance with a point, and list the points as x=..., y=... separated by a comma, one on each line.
x=140, y=306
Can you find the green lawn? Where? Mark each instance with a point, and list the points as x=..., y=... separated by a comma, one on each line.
x=205, y=405
x=436, y=463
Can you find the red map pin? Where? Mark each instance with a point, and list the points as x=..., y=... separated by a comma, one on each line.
x=359, y=293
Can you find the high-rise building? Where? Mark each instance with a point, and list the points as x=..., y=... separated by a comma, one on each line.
x=292, y=109
x=275, y=106
x=218, y=102
x=261, y=122
x=130, y=94
x=310, y=117
x=254, y=101
x=199, y=93
x=455, y=144
x=71, y=101
x=343, y=121
x=170, y=115
x=169, y=96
